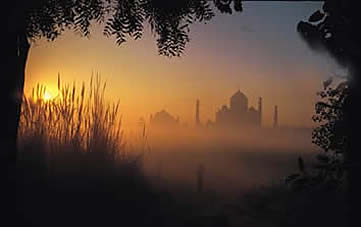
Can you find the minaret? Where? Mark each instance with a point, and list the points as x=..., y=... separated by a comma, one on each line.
x=275, y=118
x=260, y=111
x=198, y=122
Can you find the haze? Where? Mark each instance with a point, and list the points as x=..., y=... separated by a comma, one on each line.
x=257, y=51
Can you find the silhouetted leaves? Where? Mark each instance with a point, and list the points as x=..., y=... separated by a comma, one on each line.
x=169, y=21
x=330, y=136
x=334, y=29
x=316, y=16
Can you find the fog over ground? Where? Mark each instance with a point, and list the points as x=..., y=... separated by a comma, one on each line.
x=233, y=160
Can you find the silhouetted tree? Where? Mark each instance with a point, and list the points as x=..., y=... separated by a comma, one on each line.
x=331, y=136
x=335, y=29
x=26, y=21
x=23, y=22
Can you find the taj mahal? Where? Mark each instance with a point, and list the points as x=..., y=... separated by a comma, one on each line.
x=237, y=115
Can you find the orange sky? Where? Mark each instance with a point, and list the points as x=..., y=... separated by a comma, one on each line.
x=257, y=51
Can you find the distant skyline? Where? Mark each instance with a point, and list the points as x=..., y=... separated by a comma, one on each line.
x=257, y=51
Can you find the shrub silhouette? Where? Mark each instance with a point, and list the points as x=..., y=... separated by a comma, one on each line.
x=330, y=135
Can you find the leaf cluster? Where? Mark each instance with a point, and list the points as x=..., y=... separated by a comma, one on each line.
x=169, y=21
x=330, y=136
x=334, y=29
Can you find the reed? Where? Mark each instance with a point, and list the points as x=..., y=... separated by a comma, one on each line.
x=78, y=124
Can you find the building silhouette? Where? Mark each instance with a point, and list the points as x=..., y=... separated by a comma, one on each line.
x=163, y=119
x=198, y=121
x=275, y=117
x=260, y=110
x=238, y=114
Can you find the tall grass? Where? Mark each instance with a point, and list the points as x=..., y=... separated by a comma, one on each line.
x=74, y=165
x=77, y=118
x=75, y=169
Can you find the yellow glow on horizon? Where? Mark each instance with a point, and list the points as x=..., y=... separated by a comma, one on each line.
x=146, y=83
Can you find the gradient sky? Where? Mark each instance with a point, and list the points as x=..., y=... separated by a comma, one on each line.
x=257, y=51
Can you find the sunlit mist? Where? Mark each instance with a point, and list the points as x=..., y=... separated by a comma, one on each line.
x=257, y=52
x=246, y=128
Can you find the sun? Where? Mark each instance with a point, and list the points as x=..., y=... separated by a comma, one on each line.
x=47, y=96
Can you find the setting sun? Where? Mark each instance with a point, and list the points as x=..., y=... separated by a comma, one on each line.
x=47, y=96
x=180, y=113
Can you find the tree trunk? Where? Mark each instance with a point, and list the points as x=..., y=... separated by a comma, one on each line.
x=353, y=153
x=15, y=51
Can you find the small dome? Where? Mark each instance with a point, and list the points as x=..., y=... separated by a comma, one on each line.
x=239, y=94
x=239, y=102
x=163, y=117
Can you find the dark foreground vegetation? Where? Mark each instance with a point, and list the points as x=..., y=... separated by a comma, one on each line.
x=75, y=169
